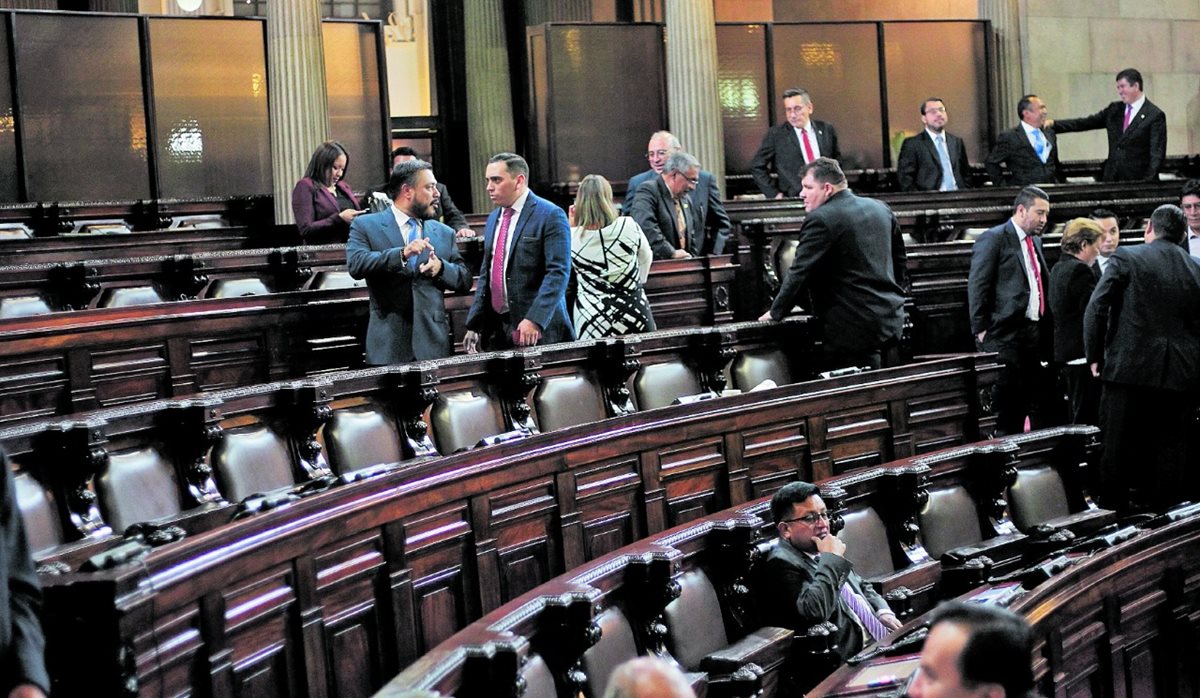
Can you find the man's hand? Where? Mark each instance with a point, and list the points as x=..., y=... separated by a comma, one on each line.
x=415, y=248
x=680, y=254
x=431, y=268
x=349, y=214
x=780, y=195
x=471, y=342
x=980, y=336
x=1095, y=370
x=527, y=333
x=464, y=233
x=1048, y=123
x=766, y=317
x=889, y=620
x=26, y=690
x=831, y=544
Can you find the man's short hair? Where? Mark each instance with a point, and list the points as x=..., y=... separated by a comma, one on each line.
x=646, y=677
x=931, y=99
x=1024, y=105
x=515, y=164
x=797, y=92
x=1169, y=223
x=999, y=647
x=1100, y=213
x=672, y=142
x=1079, y=233
x=680, y=162
x=1028, y=195
x=1131, y=76
x=405, y=173
x=1190, y=188
x=789, y=495
x=403, y=150
x=825, y=170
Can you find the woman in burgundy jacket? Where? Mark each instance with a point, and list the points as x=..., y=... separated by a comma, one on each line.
x=322, y=202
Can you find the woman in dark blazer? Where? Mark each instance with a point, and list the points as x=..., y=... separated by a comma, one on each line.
x=322, y=202
x=1071, y=282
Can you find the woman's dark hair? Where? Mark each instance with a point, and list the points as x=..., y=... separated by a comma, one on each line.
x=321, y=162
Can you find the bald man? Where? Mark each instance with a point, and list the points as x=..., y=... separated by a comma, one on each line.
x=648, y=677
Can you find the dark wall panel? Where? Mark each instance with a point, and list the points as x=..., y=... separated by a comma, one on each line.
x=742, y=90
x=353, y=85
x=9, y=186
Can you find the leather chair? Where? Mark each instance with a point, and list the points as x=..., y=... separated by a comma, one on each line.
x=949, y=520
x=235, y=288
x=459, y=419
x=127, y=296
x=138, y=486
x=1038, y=497
x=201, y=221
x=567, y=400
x=658, y=385
x=251, y=460
x=867, y=544
x=616, y=645
x=755, y=366
x=539, y=681
x=42, y=525
x=360, y=438
x=336, y=279
x=23, y=306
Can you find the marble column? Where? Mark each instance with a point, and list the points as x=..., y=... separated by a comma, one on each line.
x=695, y=110
x=299, y=105
x=490, y=127
x=1007, y=41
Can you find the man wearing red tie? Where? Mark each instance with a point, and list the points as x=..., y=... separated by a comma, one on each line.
x=1137, y=132
x=1006, y=292
x=788, y=147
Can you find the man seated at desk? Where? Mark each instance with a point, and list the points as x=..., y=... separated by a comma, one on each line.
x=807, y=580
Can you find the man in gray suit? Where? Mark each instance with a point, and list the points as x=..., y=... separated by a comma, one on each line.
x=409, y=262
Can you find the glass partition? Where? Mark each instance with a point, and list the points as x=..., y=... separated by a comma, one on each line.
x=742, y=90
x=355, y=104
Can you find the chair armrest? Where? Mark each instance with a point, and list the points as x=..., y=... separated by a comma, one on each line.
x=765, y=647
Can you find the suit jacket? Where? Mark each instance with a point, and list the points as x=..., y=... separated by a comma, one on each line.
x=654, y=210
x=22, y=645
x=796, y=591
x=1024, y=166
x=1071, y=284
x=539, y=266
x=408, y=310
x=1134, y=154
x=706, y=197
x=316, y=210
x=1142, y=323
x=997, y=288
x=781, y=152
x=919, y=167
x=851, y=259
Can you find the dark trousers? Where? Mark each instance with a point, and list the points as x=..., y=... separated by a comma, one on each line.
x=1149, y=434
x=885, y=356
x=1015, y=395
x=1083, y=394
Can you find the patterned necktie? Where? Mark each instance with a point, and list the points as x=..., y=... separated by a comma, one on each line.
x=499, y=251
x=864, y=612
x=414, y=232
x=808, y=152
x=680, y=224
x=948, y=183
x=1037, y=275
x=1039, y=144
x=1128, y=116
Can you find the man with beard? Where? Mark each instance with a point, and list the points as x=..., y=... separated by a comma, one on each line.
x=408, y=262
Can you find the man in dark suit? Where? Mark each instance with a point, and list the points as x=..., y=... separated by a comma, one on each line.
x=22, y=645
x=851, y=260
x=705, y=198
x=806, y=578
x=673, y=224
x=1030, y=151
x=974, y=649
x=1189, y=201
x=933, y=160
x=1142, y=337
x=443, y=209
x=1007, y=294
x=521, y=296
x=1137, y=132
x=409, y=262
x=790, y=146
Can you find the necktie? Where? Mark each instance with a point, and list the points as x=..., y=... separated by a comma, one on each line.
x=808, y=153
x=1039, y=144
x=864, y=612
x=1037, y=275
x=496, y=277
x=680, y=224
x=414, y=232
x=1128, y=116
x=948, y=183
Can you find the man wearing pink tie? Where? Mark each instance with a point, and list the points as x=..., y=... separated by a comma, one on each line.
x=789, y=146
x=1137, y=132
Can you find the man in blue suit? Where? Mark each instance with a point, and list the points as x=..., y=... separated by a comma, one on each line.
x=409, y=262
x=521, y=297
x=1006, y=292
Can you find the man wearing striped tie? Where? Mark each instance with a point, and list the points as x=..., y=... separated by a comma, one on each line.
x=807, y=579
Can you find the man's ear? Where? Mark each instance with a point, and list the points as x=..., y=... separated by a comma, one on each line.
x=990, y=690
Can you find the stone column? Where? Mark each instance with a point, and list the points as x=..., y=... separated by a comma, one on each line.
x=489, y=92
x=1007, y=41
x=692, y=102
x=299, y=105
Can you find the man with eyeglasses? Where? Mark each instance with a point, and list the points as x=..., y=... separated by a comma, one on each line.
x=806, y=579
x=790, y=146
x=705, y=198
x=672, y=222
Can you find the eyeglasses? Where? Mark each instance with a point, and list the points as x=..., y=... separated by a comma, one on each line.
x=810, y=519
x=695, y=182
x=657, y=153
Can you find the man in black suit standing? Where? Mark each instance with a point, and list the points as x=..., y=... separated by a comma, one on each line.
x=1142, y=337
x=1030, y=150
x=22, y=644
x=933, y=160
x=1189, y=201
x=673, y=224
x=1006, y=292
x=790, y=146
x=1137, y=132
x=851, y=260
